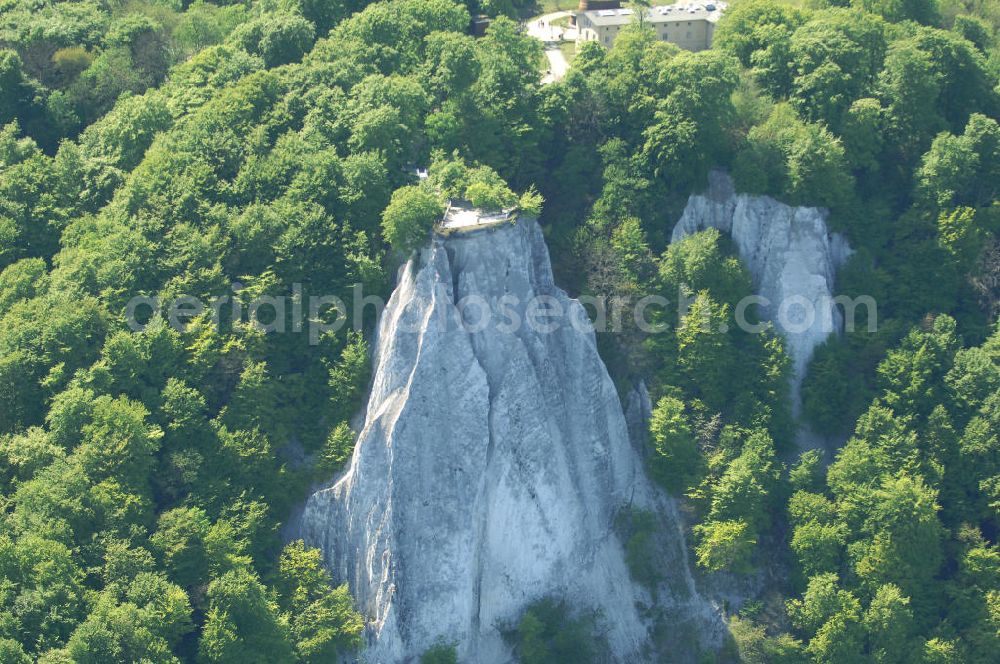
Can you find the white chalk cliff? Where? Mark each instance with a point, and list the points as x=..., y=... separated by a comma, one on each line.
x=491, y=465
x=792, y=258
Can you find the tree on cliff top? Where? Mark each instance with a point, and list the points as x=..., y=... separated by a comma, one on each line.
x=481, y=186
x=408, y=218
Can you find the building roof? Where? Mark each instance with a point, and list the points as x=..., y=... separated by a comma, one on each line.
x=707, y=11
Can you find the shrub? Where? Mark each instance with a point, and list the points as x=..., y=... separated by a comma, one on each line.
x=409, y=217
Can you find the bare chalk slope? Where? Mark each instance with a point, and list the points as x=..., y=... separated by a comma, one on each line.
x=792, y=258
x=490, y=469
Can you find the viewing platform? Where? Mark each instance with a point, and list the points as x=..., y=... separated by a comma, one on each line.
x=461, y=217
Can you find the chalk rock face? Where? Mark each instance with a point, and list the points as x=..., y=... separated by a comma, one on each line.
x=493, y=460
x=791, y=256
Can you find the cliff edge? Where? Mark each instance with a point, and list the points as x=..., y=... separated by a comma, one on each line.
x=792, y=258
x=493, y=461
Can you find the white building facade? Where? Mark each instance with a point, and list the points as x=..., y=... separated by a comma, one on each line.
x=689, y=26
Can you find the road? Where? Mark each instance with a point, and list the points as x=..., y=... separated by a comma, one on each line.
x=557, y=64
x=542, y=29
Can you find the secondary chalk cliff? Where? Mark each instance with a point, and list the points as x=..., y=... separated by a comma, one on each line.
x=792, y=258
x=492, y=463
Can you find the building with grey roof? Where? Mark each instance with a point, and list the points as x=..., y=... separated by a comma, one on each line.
x=690, y=26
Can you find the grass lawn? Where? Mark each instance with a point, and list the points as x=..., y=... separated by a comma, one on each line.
x=568, y=49
x=549, y=6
